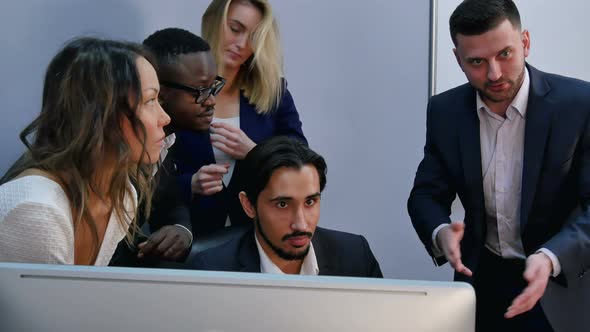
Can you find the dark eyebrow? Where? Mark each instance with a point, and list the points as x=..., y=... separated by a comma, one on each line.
x=281, y=198
x=472, y=59
x=286, y=198
x=316, y=195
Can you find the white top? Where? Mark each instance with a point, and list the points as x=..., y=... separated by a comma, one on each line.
x=222, y=157
x=36, y=224
x=309, y=267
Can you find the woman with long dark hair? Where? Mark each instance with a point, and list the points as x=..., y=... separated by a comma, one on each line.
x=70, y=199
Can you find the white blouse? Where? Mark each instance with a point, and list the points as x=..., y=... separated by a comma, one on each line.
x=222, y=157
x=36, y=224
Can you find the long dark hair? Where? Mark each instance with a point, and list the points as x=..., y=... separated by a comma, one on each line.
x=90, y=86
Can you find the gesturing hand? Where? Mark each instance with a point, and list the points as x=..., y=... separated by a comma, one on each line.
x=208, y=179
x=537, y=272
x=169, y=242
x=449, y=240
x=231, y=140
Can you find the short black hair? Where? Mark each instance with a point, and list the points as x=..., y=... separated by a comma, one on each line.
x=276, y=152
x=474, y=17
x=167, y=44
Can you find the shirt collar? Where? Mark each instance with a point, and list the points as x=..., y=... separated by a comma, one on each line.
x=520, y=101
x=168, y=142
x=309, y=266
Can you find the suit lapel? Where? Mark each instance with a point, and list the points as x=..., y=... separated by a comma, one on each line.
x=469, y=142
x=248, y=256
x=537, y=128
x=326, y=265
x=247, y=118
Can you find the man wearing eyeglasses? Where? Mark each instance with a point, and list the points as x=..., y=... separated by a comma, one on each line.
x=189, y=84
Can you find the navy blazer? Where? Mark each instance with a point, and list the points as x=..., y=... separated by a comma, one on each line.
x=192, y=150
x=556, y=171
x=337, y=253
x=555, y=179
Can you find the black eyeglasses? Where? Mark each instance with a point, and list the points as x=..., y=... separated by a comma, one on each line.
x=200, y=94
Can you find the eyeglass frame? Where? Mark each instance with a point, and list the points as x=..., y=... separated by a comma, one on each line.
x=198, y=92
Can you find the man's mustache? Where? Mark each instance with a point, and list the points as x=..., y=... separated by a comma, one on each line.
x=295, y=234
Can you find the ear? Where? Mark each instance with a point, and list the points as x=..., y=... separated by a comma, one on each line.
x=457, y=57
x=526, y=42
x=249, y=209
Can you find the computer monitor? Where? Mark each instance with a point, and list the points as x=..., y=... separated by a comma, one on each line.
x=77, y=298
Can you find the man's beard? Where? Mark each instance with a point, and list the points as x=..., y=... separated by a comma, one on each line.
x=514, y=88
x=280, y=252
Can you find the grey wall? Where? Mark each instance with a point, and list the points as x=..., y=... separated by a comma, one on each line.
x=559, y=39
x=358, y=71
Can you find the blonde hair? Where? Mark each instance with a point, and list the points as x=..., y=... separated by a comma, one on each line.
x=260, y=76
x=90, y=86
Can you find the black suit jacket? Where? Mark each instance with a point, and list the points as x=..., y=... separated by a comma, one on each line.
x=337, y=254
x=555, y=180
x=167, y=209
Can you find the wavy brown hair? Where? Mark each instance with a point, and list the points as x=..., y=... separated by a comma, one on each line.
x=261, y=75
x=90, y=86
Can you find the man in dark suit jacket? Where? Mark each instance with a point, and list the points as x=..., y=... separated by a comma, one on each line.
x=337, y=253
x=520, y=184
x=282, y=196
x=170, y=236
x=188, y=76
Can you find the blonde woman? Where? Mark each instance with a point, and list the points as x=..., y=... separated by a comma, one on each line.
x=70, y=198
x=253, y=105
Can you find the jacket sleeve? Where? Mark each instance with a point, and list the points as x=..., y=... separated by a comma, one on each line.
x=168, y=207
x=429, y=204
x=571, y=244
x=287, y=118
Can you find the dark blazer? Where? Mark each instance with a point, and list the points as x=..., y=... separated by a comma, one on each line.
x=167, y=209
x=193, y=150
x=556, y=173
x=338, y=254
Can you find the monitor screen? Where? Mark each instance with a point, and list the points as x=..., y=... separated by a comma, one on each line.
x=78, y=298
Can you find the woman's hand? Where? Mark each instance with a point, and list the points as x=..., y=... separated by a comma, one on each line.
x=231, y=140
